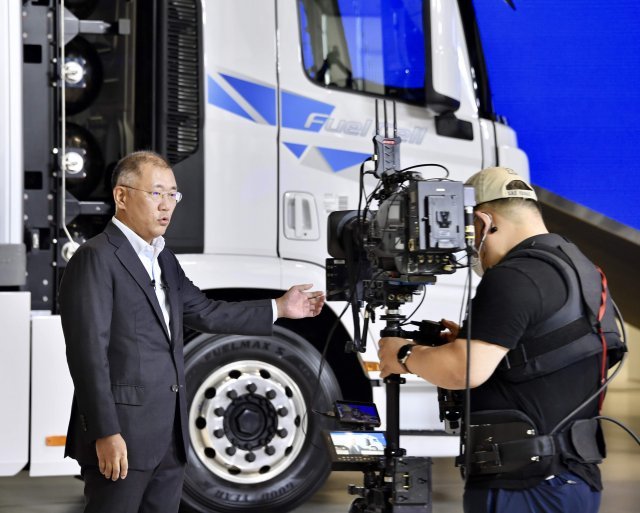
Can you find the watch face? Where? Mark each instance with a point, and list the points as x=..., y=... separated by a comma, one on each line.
x=403, y=351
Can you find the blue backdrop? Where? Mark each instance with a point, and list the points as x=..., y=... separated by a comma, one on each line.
x=566, y=74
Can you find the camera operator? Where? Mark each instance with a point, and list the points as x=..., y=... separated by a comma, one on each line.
x=534, y=358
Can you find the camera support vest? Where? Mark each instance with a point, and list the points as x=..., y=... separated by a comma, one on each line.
x=578, y=329
x=506, y=442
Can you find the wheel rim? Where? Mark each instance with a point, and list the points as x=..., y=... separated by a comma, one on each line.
x=247, y=421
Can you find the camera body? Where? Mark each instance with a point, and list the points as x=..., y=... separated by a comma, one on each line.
x=383, y=257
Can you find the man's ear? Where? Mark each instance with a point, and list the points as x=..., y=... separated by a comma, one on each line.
x=487, y=221
x=118, y=197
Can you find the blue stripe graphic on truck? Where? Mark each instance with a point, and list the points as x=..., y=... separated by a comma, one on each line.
x=298, y=113
x=220, y=98
x=261, y=98
x=342, y=159
x=296, y=149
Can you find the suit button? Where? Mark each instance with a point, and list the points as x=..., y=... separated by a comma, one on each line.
x=175, y=388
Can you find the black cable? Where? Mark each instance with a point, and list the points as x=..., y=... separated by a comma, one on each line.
x=623, y=328
x=361, y=180
x=464, y=442
x=465, y=296
x=593, y=396
x=387, y=221
x=323, y=359
x=352, y=291
x=424, y=295
x=607, y=381
x=620, y=424
x=426, y=165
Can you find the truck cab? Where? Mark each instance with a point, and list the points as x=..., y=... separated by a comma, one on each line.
x=266, y=111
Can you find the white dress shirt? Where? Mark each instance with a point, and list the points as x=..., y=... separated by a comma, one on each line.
x=148, y=255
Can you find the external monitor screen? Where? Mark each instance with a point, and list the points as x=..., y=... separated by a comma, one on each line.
x=352, y=412
x=365, y=443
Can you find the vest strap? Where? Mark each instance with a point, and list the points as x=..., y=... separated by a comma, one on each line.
x=514, y=450
x=533, y=347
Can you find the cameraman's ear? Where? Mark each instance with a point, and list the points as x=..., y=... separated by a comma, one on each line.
x=487, y=221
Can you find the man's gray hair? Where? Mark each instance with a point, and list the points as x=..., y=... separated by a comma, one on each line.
x=131, y=165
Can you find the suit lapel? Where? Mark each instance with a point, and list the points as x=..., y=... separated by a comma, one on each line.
x=170, y=277
x=133, y=265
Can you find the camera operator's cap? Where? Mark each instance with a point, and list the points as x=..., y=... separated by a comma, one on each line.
x=492, y=183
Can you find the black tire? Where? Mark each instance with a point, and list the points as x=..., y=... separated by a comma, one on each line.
x=242, y=392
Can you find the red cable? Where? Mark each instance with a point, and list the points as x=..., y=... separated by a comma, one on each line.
x=601, y=311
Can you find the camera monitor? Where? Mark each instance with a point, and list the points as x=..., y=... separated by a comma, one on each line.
x=351, y=449
x=357, y=413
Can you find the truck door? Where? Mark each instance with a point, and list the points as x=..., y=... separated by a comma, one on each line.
x=241, y=129
x=336, y=58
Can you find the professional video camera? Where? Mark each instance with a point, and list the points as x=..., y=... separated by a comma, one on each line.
x=412, y=237
x=382, y=258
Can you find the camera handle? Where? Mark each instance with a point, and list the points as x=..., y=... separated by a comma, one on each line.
x=393, y=328
x=450, y=402
x=381, y=486
x=388, y=483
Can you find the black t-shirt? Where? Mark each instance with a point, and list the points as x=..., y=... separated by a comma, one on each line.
x=509, y=301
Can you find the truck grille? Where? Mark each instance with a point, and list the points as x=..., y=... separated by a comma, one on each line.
x=183, y=79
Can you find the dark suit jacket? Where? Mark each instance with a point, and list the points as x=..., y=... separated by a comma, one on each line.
x=125, y=367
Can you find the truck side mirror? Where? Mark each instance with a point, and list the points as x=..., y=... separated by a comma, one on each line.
x=442, y=76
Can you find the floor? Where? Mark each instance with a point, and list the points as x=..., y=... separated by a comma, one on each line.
x=621, y=473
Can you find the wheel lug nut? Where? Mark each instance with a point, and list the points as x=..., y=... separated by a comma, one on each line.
x=231, y=450
x=270, y=450
x=271, y=394
x=282, y=432
x=218, y=433
x=250, y=457
x=232, y=394
x=219, y=411
x=283, y=412
x=251, y=388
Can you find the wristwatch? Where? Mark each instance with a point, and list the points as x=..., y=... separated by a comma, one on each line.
x=403, y=354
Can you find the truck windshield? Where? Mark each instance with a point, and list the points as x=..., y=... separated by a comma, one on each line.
x=370, y=46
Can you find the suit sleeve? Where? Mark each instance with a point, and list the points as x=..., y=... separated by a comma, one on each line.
x=209, y=316
x=86, y=304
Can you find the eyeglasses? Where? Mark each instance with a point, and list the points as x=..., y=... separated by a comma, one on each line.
x=157, y=196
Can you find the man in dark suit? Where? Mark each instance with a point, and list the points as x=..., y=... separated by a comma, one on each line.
x=124, y=299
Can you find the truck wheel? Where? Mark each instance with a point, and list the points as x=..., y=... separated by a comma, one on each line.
x=255, y=444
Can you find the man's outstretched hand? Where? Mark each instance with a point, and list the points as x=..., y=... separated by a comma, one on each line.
x=297, y=303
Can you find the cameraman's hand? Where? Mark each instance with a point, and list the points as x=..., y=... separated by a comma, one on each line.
x=388, y=353
x=452, y=330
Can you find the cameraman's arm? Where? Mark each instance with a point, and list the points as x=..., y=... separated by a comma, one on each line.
x=445, y=365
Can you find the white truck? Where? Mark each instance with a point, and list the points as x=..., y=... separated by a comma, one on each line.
x=265, y=109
